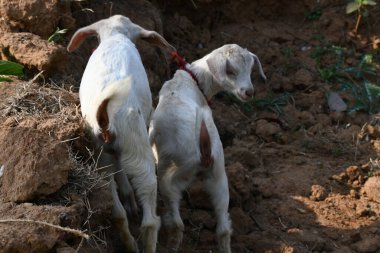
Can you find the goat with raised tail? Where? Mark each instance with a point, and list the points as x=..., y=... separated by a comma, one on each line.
x=185, y=139
x=116, y=103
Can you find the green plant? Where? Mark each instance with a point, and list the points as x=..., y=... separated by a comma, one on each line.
x=291, y=64
x=328, y=73
x=272, y=102
x=287, y=52
x=57, y=35
x=367, y=96
x=366, y=66
x=337, y=52
x=337, y=151
x=319, y=37
x=376, y=55
x=354, y=80
x=10, y=68
x=314, y=14
x=359, y=6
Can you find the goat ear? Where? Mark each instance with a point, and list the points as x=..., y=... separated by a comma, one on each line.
x=79, y=36
x=256, y=59
x=156, y=39
x=217, y=64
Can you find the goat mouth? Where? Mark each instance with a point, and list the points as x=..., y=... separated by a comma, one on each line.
x=244, y=98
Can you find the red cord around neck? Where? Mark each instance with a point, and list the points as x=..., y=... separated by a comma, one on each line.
x=182, y=64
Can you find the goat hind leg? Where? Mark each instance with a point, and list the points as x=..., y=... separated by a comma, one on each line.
x=121, y=221
x=144, y=181
x=171, y=188
x=126, y=193
x=217, y=187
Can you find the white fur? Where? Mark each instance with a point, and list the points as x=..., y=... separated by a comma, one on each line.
x=174, y=133
x=115, y=71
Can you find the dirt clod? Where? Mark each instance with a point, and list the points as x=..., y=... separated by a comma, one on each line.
x=370, y=244
x=35, y=164
x=34, y=16
x=30, y=237
x=35, y=53
x=318, y=193
x=267, y=130
x=372, y=188
x=242, y=223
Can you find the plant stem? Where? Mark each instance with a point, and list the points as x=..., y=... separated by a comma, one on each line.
x=357, y=23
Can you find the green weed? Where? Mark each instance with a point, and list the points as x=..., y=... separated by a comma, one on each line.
x=352, y=79
x=313, y=15
x=10, y=68
x=360, y=7
x=57, y=35
x=287, y=52
x=337, y=152
x=273, y=102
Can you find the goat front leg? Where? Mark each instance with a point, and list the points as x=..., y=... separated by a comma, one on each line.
x=121, y=221
x=217, y=187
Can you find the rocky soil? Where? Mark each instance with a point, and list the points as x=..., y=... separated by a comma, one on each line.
x=303, y=167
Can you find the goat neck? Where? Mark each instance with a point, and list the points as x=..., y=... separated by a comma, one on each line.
x=206, y=82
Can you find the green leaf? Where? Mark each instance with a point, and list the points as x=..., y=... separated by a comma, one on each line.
x=4, y=79
x=11, y=68
x=63, y=31
x=365, y=13
x=57, y=35
x=369, y=2
x=353, y=6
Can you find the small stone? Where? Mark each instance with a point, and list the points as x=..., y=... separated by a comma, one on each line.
x=318, y=193
x=336, y=103
x=267, y=129
x=303, y=77
x=353, y=194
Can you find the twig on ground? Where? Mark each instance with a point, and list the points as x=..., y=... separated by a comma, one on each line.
x=69, y=230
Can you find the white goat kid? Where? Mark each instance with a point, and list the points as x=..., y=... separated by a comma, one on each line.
x=116, y=103
x=185, y=139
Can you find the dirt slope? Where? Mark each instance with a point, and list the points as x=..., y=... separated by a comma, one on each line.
x=304, y=176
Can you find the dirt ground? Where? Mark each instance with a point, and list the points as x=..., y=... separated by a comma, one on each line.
x=303, y=159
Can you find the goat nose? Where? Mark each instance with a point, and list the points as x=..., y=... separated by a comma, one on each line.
x=249, y=93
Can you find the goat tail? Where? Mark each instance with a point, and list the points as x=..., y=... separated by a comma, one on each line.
x=110, y=100
x=206, y=158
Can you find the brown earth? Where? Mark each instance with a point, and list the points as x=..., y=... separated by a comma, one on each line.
x=304, y=173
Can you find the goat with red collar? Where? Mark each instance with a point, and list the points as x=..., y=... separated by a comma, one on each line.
x=185, y=139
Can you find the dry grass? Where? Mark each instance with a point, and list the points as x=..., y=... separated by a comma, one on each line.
x=41, y=99
x=68, y=230
x=59, y=102
x=85, y=178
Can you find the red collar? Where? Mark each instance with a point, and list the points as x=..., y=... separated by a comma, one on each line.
x=182, y=64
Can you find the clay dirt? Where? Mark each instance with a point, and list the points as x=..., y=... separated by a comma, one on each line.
x=303, y=158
